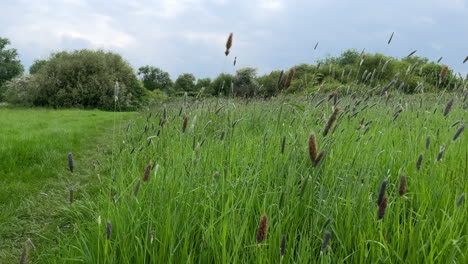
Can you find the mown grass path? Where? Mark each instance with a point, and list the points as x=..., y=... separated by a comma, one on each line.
x=34, y=179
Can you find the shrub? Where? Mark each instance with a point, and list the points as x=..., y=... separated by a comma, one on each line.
x=222, y=84
x=245, y=83
x=155, y=78
x=89, y=79
x=185, y=83
x=21, y=90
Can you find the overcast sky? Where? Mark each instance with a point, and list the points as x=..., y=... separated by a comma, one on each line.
x=189, y=35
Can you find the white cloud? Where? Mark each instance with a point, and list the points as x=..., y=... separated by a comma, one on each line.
x=271, y=5
x=189, y=35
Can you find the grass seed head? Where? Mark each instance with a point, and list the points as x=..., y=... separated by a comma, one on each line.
x=440, y=155
x=419, y=162
x=459, y=131
x=147, y=173
x=228, y=44
x=283, y=246
x=402, y=187
x=291, y=73
x=460, y=200
x=313, y=148
x=326, y=240
x=331, y=121
x=262, y=229
x=71, y=162
x=108, y=230
x=382, y=207
x=448, y=107
x=184, y=125
x=443, y=72
x=383, y=188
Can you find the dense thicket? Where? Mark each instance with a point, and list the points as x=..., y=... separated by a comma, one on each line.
x=82, y=78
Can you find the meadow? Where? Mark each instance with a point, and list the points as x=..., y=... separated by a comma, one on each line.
x=34, y=179
x=383, y=180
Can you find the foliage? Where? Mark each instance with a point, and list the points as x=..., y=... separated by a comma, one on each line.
x=203, y=83
x=185, y=83
x=35, y=180
x=222, y=85
x=154, y=78
x=211, y=183
x=10, y=65
x=244, y=82
x=22, y=90
x=85, y=78
x=36, y=66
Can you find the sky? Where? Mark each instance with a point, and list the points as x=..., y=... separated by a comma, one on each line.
x=182, y=36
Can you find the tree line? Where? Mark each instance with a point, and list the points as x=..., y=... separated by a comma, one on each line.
x=98, y=79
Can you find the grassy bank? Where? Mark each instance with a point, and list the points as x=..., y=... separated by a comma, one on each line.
x=34, y=179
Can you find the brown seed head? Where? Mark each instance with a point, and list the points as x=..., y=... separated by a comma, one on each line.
x=382, y=207
x=383, y=188
x=313, y=147
x=184, y=125
x=147, y=172
x=443, y=72
x=262, y=229
x=228, y=44
x=331, y=121
x=292, y=71
x=402, y=188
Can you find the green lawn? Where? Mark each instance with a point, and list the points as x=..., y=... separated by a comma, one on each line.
x=34, y=179
x=212, y=183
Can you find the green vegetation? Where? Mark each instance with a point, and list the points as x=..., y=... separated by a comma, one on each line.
x=84, y=78
x=333, y=162
x=194, y=191
x=10, y=66
x=34, y=178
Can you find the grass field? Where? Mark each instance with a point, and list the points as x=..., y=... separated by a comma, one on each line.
x=195, y=192
x=34, y=180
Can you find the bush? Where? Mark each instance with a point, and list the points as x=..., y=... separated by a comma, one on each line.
x=21, y=90
x=222, y=84
x=10, y=65
x=244, y=82
x=85, y=78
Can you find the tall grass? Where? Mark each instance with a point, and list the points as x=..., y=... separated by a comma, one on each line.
x=241, y=160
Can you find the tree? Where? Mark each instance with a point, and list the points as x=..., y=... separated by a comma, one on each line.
x=349, y=57
x=10, y=65
x=269, y=83
x=82, y=78
x=222, y=84
x=36, y=66
x=203, y=83
x=185, y=83
x=154, y=78
x=245, y=83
